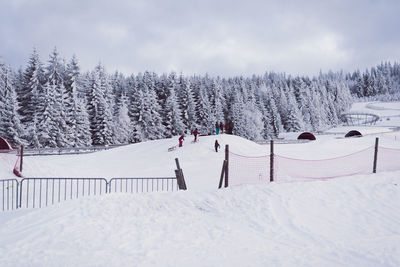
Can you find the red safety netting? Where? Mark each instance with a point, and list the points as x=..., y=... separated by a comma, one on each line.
x=248, y=170
x=289, y=169
x=388, y=159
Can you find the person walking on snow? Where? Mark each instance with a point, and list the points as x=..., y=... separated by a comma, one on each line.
x=221, y=127
x=181, y=140
x=195, y=133
x=216, y=145
x=217, y=128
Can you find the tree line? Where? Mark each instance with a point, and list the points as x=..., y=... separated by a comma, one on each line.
x=57, y=105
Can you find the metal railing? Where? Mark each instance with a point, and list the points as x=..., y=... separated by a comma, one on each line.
x=38, y=192
x=9, y=194
x=358, y=118
x=41, y=192
x=141, y=185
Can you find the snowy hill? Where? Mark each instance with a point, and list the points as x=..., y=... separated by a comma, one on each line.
x=352, y=221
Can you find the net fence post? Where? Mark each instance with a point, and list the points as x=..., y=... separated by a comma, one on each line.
x=271, y=162
x=227, y=165
x=375, y=154
x=179, y=176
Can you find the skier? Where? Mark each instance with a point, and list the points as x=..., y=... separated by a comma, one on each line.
x=195, y=133
x=181, y=140
x=217, y=128
x=221, y=127
x=216, y=145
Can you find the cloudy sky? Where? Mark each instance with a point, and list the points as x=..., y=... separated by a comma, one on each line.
x=224, y=37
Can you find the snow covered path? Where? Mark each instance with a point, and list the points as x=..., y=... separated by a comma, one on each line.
x=344, y=222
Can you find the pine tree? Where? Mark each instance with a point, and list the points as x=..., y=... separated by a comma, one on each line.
x=28, y=94
x=100, y=114
x=149, y=122
x=187, y=103
x=52, y=119
x=77, y=120
x=123, y=125
x=218, y=101
x=173, y=115
x=205, y=114
x=10, y=125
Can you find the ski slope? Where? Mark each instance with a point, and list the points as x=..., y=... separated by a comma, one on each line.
x=351, y=221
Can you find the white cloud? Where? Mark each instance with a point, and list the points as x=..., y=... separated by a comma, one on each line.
x=218, y=37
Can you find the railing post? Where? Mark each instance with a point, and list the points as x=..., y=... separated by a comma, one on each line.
x=179, y=176
x=375, y=154
x=21, y=158
x=20, y=193
x=227, y=165
x=17, y=198
x=271, y=162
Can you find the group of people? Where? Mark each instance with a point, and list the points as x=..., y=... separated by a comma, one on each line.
x=182, y=137
x=219, y=127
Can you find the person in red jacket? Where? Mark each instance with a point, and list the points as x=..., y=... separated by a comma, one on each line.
x=181, y=140
x=195, y=133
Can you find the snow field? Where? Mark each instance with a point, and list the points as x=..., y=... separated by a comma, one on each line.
x=344, y=222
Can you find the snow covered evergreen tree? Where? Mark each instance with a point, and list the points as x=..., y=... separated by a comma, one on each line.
x=52, y=117
x=123, y=125
x=187, y=103
x=77, y=118
x=10, y=125
x=28, y=99
x=100, y=112
x=217, y=99
x=173, y=116
x=205, y=113
x=149, y=122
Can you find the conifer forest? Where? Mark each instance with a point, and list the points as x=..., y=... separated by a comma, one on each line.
x=56, y=104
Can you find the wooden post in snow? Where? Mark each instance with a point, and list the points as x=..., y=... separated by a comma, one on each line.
x=375, y=154
x=271, y=162
x=227, y=165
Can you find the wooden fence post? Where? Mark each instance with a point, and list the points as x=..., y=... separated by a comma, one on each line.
x=227, y=165
x=21, y=159
x=375, y=154
x=221, y=179
x=179, y=176
x=271, y=162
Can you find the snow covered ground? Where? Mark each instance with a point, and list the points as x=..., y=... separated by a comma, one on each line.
x=352, y=221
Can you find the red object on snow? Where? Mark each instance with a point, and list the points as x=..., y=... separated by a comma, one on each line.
x=181, y=140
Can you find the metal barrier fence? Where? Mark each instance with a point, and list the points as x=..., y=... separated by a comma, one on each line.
x=41, y=192
x=141, y=185
x=9, y=194
x=38, y=192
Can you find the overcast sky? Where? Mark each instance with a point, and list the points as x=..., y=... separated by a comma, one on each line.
x=225, y=37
